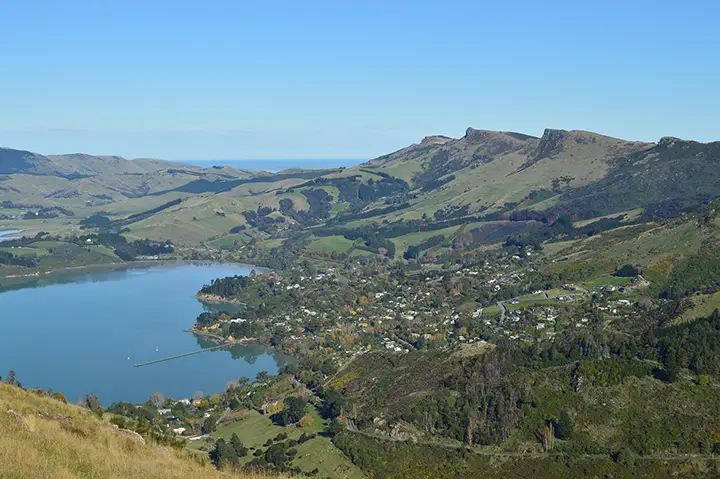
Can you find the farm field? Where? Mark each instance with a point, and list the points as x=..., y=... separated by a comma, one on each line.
x=330, y=244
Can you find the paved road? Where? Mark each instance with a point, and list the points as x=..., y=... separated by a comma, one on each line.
x=503, y=310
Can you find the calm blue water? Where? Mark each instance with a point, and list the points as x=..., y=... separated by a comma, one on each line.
x=277, y=165
x=75, y=337
x=8, y=234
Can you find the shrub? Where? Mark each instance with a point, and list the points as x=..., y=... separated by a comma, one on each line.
x=307, y=420
x=59, y=396
x=627, y=271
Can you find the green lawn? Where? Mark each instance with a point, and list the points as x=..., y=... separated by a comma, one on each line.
x=319, y=452
x=229, y=240
x=272, y=243
x=402, y=242
x=253, y=431
x=405, y=169
x=554, y=293
x=103, y=250
x=24, y=251
x=338, y=207
x=47, y=244
x=629, y=216
x=42, y=249
x=531, y=296
x=645, y=244
x=703, y=305
x=330, y=244
x=554, y=248
x=322, y=454
x=362, y=252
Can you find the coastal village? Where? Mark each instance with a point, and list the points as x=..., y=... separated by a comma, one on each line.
x=331, y=314
x=328, y=314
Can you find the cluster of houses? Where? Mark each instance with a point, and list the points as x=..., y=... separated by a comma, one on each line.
x=358, y=307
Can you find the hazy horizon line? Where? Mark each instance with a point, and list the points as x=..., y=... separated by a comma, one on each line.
x=279, y=159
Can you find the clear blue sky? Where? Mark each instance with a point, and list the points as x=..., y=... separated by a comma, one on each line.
x=348, y=79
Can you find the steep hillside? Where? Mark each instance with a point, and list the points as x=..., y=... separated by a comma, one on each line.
x=584, y=145
x=564, y=172
x=44, y=437
x=489, y=170
x=482, y=177
x=674, y=171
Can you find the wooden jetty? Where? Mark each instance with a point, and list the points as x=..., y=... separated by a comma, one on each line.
x=178, y=356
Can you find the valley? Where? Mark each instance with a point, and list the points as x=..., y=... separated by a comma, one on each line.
x=479, y=306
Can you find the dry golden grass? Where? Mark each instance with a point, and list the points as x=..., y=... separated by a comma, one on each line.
x=44, y=438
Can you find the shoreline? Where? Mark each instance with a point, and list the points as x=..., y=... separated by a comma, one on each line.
x=220, y=339
x=215, y=299
x=239, y=351
x=214, y=338
x=116, y=266
x=90, y=267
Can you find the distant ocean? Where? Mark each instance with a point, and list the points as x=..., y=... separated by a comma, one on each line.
x=277, y=165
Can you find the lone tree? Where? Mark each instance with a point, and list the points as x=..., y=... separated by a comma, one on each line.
x=93, y=403
x=223, y=454
x=10, y=378
x=238, y=446
x=333, y=403
x=564, y=427
x=210, y=424
x=156, y=399
x=627, y=271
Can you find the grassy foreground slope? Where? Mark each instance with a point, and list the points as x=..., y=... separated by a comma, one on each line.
x=256, y=429
x=44, y=437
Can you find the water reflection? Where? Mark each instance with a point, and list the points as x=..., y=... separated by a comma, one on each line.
x=111, y=272
x=95, y=274
x=248, y=352
x=7, y=235
x=85, y=336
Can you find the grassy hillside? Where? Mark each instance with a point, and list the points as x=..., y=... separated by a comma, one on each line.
x=579, y=174
x=76, y=179
x=485, y=169
x=44, y=437
x=256, y=429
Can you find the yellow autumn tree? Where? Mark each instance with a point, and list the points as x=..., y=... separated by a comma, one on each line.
x=306, y=421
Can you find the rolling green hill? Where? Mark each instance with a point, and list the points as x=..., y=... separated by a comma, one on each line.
x=479, y=179
x=76, y=179
x=501, y=300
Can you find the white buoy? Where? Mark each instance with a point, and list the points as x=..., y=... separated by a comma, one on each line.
x=128, y=357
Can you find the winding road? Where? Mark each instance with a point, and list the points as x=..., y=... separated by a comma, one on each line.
x=503, y=310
